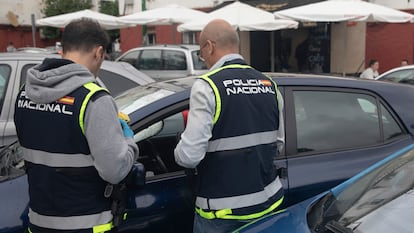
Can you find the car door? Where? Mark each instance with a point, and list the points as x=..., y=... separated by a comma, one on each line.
x=14, y=190
x=16, y=79
x=333, y=133
x=165, y=202
x=7, y=74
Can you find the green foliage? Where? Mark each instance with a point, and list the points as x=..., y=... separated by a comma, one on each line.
x=58, y=7
x=110, y=8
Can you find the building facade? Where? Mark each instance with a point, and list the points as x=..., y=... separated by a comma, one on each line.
x=335, y=47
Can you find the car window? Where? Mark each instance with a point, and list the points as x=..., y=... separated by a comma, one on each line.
x=400, y=76
x=5, y=71
x=150, y=60
x=328, y=120
x=24, y=73
x=174, y=60
x=390, y=125
x=131, y=58
x=115, y=83
x=157, y=142
x=197, y=62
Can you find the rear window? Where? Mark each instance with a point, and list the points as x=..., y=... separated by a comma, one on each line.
x=115, y=83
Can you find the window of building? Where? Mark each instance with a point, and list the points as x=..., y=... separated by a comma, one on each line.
x=189, y=37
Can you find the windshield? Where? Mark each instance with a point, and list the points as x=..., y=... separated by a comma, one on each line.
x=362, y=203
x=400, y=76
x=138, y=97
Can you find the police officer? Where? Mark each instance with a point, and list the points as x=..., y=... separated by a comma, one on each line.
x=73, y=142
x=234, y=129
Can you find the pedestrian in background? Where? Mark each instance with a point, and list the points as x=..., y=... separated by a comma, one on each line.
x=233, y=133
x=73, y=142
x=372, y=71
x=404, y=62
x=10, y=48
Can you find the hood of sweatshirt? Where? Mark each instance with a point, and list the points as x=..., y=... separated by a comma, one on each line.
x=55, y=78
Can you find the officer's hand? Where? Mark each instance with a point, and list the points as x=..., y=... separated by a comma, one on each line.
x=125, y=128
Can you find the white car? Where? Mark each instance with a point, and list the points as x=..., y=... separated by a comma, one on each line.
x=117, y=77
x=402, y=74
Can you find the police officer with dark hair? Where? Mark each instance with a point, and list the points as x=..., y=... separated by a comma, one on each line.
x=234, y=131
x=73, y=142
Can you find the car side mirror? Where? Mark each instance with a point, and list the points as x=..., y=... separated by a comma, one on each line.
x=136, y=176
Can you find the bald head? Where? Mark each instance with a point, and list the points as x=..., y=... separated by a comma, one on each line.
x=218, y=39
x=222, y=33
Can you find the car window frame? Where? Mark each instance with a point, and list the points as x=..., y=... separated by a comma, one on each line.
x=155, y=117
x=290, y=119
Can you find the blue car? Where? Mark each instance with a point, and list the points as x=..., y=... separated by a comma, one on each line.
x=335, y=127
x=377, y=200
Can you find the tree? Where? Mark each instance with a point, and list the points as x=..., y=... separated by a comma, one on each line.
x=110, y=8
x=58, y=7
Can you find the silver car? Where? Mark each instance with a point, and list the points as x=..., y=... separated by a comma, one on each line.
x=115, y=76
x=163, y=62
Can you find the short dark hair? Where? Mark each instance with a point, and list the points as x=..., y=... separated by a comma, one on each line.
x=84, y=34
x=372, y=62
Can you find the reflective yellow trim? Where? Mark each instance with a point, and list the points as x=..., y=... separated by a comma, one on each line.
x=93, y=88
x=205, y=214
x=218, y=98
x=102, y=228
x=214, y=87
x=226, y=213
x=28, y=229
x=125, y=216
x=276, y=89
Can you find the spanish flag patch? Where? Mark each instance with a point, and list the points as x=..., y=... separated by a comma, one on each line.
x=266, y=82
x=66, y=100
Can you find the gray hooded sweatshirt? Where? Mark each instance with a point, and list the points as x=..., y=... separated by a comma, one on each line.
x=113, y=153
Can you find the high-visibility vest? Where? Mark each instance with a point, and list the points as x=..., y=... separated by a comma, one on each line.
x=237, y=178
x=66, y=191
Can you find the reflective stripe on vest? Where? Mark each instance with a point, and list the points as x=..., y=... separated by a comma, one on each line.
x=243, y=141
x=57, y=159
x=227, y=213
x=240, y=201
x=103, y=228
x=93, y=88
x=71, y=222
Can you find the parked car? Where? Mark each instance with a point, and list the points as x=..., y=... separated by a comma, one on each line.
x=377, y=200
x=116, y=76
x=402, y=74
x=335, y=127
x=166, y=61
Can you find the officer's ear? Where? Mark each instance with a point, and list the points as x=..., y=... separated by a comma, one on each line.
x=99, y=53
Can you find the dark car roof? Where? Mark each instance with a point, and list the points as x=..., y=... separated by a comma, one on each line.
x=399, y=97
